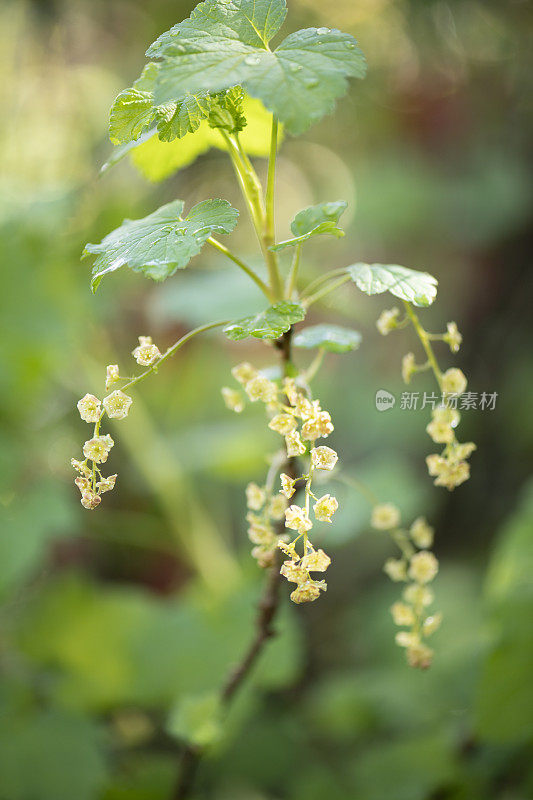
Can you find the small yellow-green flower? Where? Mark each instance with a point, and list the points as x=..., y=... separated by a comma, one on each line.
x=117, y=404
x=325, y=507
x=421, y=533
x=316, y=561
x=453, y=337
x=106, y=484
x=277, y=506
x=308, y=591
x=287, y=485
x=423, y=567
x=255, y=497
x=323, y=457
x=90, y=408
x=418, y=595
x=388, y=320
x=297, y=519
x=317, y=427
x=402, y=614
x=112, y=376
x=261, y=388
x=295, y=446
x=396, y=569
x=244, y=372
x=385, y=516
x=97, y=449
x=283, y=423
x=453, y=381
x=146, y=352
x=233, y=399
x=408, y=367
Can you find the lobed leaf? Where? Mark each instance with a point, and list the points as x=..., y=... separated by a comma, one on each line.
x=315, y=221
x=174, y=120
x=418, y=288
x=268, y=324
x=131, y=113
x=224, y=44
x=333, y=338
x=162, y=242
x=157, y=160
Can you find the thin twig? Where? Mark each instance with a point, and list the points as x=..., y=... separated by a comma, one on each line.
x=264, y=629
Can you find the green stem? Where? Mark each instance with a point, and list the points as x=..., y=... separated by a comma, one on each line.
x=249, y=271
x=367, y=493
x=308, y=301
x=269, y=234
x=315, y=365
x=424, y=339
x=171, y=350
x=403, y=543
x=322, y=279
x=252, y=193
x=271, y=181
x=292, y=277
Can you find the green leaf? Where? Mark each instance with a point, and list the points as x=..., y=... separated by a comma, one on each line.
x=332, y=338
x=197, y=719
x=157, y=160
x=418, y=288
x=134, y=111
x=314, y=221
x=162, y=242
x=227, y=112
x=268, y=324
x=174, y=120
x=50, y=755
x=131, y=113
x=226, y=44
x=254, y=22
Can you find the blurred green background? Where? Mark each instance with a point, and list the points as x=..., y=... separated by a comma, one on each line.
x=118, y=625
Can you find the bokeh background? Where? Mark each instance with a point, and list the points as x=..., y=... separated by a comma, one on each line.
x=118, y=625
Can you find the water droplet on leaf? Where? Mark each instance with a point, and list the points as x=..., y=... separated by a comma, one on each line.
x=295, y=67
x=322, y=31
x=252, y=60
x=310, y=82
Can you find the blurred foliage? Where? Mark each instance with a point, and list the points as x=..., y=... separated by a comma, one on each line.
x=118, y=625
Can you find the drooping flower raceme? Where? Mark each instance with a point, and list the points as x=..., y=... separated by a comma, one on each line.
x=300, y=420
x=415, y=568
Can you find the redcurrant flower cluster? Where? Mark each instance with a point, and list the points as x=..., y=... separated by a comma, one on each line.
x=450, y=468
x=301, y=421
x=416, y=567
x=116, y=405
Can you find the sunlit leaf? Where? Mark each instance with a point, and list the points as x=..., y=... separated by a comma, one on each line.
x=156, y=160
x=226, y=44
x=268, y=324
x=333, y=338
x=418, y=288
x=162, y=242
